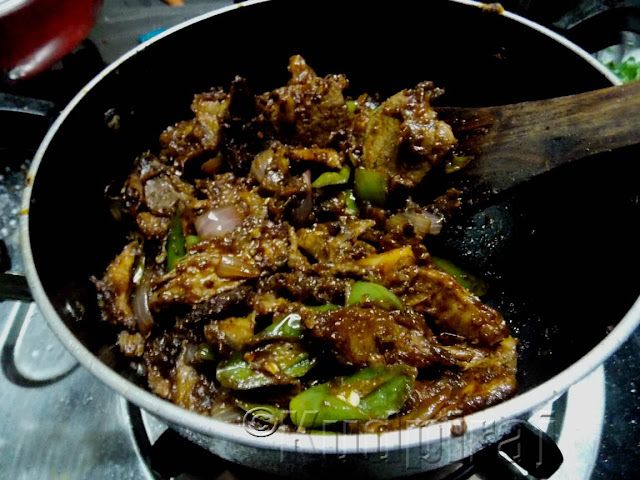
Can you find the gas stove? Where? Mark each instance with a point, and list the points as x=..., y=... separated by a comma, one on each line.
x=60, y=422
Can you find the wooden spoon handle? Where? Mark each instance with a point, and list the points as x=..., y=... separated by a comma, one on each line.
x=513, y=143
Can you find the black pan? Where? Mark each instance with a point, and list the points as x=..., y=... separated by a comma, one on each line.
x=561, y=252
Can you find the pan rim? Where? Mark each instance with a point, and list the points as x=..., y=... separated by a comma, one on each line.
x=299, y=442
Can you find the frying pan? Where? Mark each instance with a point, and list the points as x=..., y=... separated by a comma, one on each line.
x=560, y=252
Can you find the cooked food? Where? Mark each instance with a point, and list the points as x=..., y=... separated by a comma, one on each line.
x=277, y=260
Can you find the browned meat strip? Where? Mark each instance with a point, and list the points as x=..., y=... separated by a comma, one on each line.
x=324, y=156
x=171, y=376
x=453, y=308
x=192, y=138
x=372, y=336
x=114, y=290
x=484, y=383
x=195, y=279
x=406, y=122
x=221, y=305
x=230, y=334
x=310, y=110
x=152, y=226
x=306, y=288
x=336, y=243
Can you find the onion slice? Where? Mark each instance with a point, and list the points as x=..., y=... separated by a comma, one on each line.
x=302, y=212
x=216, y=222
x=141, y=310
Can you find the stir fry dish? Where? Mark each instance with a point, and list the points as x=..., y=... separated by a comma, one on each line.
x=278, y=262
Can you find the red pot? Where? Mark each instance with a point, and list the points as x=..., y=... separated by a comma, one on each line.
x=34, y=34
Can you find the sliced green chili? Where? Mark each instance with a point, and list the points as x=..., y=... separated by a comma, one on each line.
x=175, y=242
x=371, y=393
x=286, y=359
x=372, y=292
x=474, y=284
x=237, y=374
x=371, y=185
x=352, y=106
x=287, y=327
x=332, y=178
x=316, y=407
x=349, y=200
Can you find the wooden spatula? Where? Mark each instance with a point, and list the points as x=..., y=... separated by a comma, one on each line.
x=513, y=143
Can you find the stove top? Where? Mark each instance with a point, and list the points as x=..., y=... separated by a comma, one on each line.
x=60, y=422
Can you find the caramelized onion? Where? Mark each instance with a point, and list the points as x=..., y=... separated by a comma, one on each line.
x=423, y=223
x=217, y=222
x=141, y=310
x=302, y=212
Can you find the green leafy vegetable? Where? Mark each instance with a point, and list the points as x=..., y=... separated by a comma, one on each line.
x=351, y=106
x=372, y=292
x=628, y=71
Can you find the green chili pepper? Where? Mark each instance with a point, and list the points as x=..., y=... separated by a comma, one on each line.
x=287, y=327
x=266, y=413
x=376, y=392
x=456, y=162
x=351, y=106
x=388, y=398
x=349, y=200
x=316, y=406
x=371, y=185
x=175, y=242
x=300, y=368
x=237, y=374
x=191, y=240
x=372, y=292
x=474, y=284
x=332, y=178
x=327, y=307
x=287, y=360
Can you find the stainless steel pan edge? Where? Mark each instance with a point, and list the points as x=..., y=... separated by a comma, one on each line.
x=233, y=441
